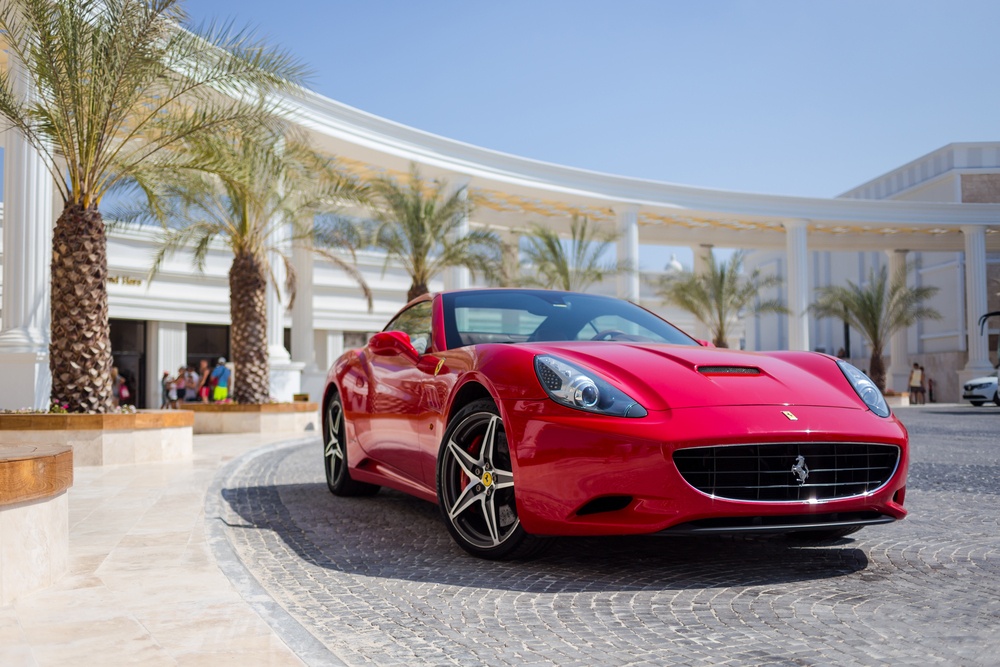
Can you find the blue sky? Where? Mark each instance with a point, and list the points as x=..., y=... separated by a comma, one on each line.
x=784, y=97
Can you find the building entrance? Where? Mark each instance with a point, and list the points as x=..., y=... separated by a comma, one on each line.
x=128, y=351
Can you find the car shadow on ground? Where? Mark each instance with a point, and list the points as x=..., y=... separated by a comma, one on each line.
x=393, y=535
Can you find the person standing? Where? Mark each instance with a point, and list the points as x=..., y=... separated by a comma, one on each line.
x=914, y=383
x=220, y=380
x=180, y=385
x=204, y=388
x=165, y=391
x=116, y=386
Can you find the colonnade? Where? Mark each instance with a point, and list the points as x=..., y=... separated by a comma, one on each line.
x=27, y=233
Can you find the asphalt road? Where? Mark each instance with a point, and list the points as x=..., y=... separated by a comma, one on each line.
x=379, y=581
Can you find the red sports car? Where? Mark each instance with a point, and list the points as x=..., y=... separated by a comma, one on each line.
x=526, y=414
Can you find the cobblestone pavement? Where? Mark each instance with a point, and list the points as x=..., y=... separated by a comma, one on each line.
x=379, y=581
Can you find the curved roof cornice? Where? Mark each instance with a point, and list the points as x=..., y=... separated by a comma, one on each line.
x=355, y=127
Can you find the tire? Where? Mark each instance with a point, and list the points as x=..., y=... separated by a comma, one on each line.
x=823, y=535
x=977, y=404
x=996, y=398
x=475, y=486
x=338, y=474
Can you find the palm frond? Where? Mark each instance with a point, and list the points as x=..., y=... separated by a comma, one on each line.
x=417, y=225
x=721, y=294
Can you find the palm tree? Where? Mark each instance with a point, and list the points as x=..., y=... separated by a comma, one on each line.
x=252, y=193
x=120, y=85
x=718, y=296
x=575, y=269
x=418, y=226
x=877, y=310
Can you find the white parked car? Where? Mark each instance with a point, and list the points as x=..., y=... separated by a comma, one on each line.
x=981, y=390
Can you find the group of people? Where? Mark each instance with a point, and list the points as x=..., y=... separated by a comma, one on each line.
x=121, y=394
x=918, y=385
x=189, y=385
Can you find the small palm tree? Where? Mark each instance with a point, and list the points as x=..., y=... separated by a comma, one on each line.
x=877, y=310
x=416, y=224
x=252, y=193
x=120, y=85
x=718, y=296
x=575, y=268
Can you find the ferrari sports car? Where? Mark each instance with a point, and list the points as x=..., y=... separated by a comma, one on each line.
x=529, y=414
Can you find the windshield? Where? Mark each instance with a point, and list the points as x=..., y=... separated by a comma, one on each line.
x=517, y=316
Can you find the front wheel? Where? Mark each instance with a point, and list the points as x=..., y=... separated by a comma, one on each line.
x=475, y=486
x=977, y=404
x=996, y=397
x=338, y=477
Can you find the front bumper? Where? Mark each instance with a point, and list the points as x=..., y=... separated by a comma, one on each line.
x=585, y=474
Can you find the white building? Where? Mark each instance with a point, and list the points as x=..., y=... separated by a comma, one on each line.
x=965, y=173
x=182, y=316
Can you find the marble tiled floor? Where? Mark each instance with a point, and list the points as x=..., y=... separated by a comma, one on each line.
x=142, y=586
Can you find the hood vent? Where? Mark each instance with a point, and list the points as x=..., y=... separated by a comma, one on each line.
x=729, y=370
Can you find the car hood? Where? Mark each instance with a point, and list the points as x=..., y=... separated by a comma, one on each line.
x=986, y=379
x=663, y=377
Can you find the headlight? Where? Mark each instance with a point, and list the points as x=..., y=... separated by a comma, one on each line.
x=866, y=389
x=574, y=387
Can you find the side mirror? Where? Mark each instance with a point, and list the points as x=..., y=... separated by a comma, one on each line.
x=705, y=343
x=387, y=343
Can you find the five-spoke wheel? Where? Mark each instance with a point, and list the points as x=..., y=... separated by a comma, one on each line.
x=475, y=484
x=338, y=477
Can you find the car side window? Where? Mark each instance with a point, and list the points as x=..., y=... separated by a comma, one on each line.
x=415, y=322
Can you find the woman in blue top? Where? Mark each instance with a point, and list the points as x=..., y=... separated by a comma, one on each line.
x=219, y=380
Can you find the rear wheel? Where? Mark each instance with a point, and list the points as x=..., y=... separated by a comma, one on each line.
x=338, y=476
x=475, y=485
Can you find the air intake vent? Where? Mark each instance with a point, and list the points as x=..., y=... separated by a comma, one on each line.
x=728, y=370
x=788, y=472
x=605, y=504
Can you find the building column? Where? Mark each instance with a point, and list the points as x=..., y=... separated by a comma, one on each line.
x=303, y=341
x=898, y=375
x=285, y=374
x=27, y=254
x=303, y=333
x=797, y=282
x=459, y=277
x=701, y=259
x=512, y=259
x=334, y=343
x=167, y=343
x=976, y=303
x=628, y=252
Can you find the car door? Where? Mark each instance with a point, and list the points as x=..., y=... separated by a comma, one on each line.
x=398, y=396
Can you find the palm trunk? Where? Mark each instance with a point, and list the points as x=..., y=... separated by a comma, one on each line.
x=416, y=289
x=877, y=370
x=80, y=351
x=248, y=309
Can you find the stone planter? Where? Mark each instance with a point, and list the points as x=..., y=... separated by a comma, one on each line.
x=34, y=517
x=148, y=436
x=267, y=418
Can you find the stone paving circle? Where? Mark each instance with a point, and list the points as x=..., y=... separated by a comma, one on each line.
x=378, y=581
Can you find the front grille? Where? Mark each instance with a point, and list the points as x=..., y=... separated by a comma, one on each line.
x=765, y=472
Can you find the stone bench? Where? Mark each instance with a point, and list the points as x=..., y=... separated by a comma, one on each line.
x=266, y=418
x=149, y=436
x=34, y=517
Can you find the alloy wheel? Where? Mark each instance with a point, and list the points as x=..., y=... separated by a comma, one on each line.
x=476, y=483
